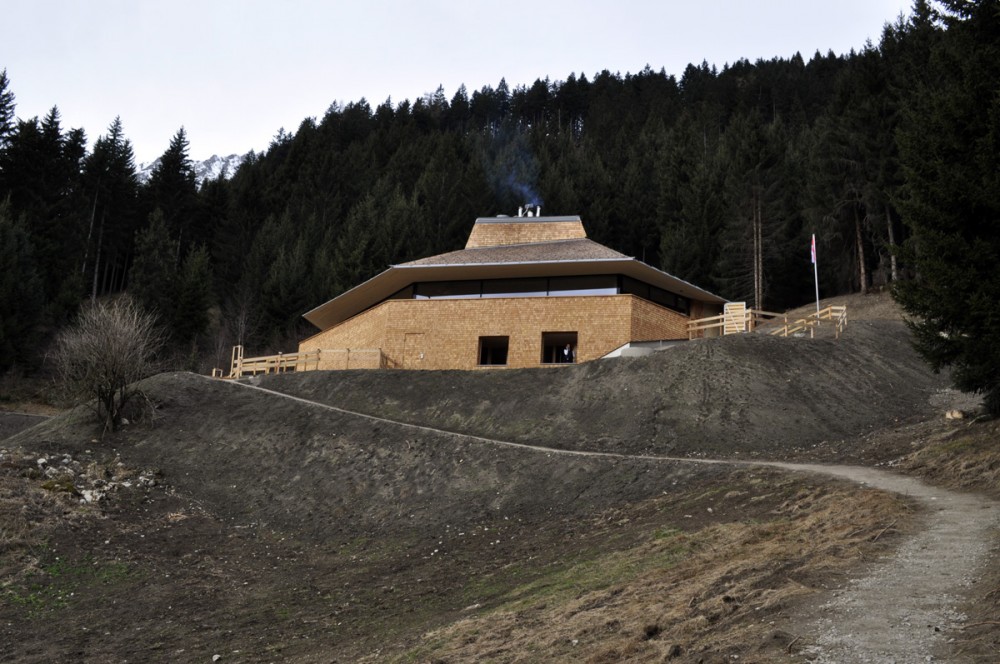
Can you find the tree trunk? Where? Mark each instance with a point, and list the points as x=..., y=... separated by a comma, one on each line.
x=862, y=270
x=758, y=252
x=110, y=273
x=97, y=261
x=892, y=246
x=90, y=234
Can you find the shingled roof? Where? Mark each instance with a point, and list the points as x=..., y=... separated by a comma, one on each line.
x=501, y=252
x=535, y=252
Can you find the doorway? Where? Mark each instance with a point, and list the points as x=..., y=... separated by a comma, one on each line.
x=554, y=347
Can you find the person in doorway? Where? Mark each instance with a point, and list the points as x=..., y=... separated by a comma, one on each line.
x=566, y=355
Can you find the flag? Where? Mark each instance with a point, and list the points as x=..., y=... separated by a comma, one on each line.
x=814, y=249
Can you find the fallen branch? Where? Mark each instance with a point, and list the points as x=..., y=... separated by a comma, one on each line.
x=882, y=532
x=800, y=584
x=792, y=643
x=980, y=624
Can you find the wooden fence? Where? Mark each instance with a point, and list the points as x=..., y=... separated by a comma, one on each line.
x=345, y=358
x=282, y=362
x=751, y=320
x=836, y=314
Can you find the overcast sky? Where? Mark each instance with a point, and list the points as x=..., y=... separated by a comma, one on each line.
x=233, y=72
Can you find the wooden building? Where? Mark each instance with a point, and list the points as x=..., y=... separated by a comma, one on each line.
x=522, y=290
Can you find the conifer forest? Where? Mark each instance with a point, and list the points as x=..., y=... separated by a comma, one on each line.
x=718, y=175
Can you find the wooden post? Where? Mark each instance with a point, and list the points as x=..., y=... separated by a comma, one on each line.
x=236, y=362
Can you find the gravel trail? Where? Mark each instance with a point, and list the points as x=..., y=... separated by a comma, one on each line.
x=898, y=611
x=902, y=609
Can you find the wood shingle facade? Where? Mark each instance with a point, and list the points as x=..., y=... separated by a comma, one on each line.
x=520, y=292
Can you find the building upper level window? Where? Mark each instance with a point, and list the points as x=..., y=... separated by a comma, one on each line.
x=558, y=347
x=493, y=351
x=538, y=287
x=601, y=284
x=447, y=290
x=575, y=286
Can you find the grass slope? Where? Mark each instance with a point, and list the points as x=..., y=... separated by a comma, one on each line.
x=262, y=529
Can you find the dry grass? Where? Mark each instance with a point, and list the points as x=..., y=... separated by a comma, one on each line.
x=32, y=504
x=26, y=513
x=965, y=456
x=700, y=596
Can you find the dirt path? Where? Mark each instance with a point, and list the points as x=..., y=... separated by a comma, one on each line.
x=902, y=608
x=899, y=610
x=11, y=422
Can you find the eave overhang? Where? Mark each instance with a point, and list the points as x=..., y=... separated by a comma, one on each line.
x=383, y=285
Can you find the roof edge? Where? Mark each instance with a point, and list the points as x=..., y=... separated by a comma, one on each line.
x=526, y=220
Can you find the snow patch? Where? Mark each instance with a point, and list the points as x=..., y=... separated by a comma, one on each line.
x=208, y=169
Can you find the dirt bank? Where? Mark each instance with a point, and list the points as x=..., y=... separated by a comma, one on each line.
x=746, y=396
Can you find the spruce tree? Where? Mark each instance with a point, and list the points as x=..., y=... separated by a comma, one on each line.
x=20, y=292
x=6, y=110
x=110, y=193
x=193, y=297
x=950, y=150
x=172, y=189
x=153, y=277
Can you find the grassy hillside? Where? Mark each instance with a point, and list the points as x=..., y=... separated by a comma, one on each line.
x=260, y=528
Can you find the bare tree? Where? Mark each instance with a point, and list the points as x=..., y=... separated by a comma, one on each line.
x=111, y=346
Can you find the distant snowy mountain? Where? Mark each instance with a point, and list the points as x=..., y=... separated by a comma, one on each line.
x=209, y=169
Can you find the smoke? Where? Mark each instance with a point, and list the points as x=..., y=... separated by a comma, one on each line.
x=525, y=193
x=512, y=171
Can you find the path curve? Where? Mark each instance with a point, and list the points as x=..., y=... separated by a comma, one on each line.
x=900, y=609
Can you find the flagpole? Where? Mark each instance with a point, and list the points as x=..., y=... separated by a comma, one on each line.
x=815, y=275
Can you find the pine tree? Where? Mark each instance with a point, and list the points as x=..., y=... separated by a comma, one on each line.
x=20, y=292
x=950, y=149
x=42, y=169
x=110, y=191
x=193, y=297
x=153, y=277
x=6, y=110
x=753, y=154
x=690, y=209
x=172, y=189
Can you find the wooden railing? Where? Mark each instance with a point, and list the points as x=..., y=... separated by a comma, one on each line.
x=837, y=314
x=345, y=358
x=354, y=358
x=730, y=323
x=265, y=364
x=773, y=323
